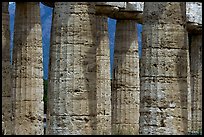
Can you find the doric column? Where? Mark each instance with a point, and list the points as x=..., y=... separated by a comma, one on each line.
x=196, y=82
x=72, y=70
x=163, y=104
x=103, y=83
x=28, y=70
x=125, y=90
x=6, y=73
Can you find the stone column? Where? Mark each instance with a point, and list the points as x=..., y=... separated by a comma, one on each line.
x=196, y=82
x=6, y=73
x=103, y=82
x=72, y=70
x=28, y=70
x=163, y=96
x=125, y=93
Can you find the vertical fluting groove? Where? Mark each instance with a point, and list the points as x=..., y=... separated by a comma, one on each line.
x=24, y=88
x=125, y=115
x=163, y=74
x=80, y=73
x=128, y=79
x=75, y=95
x=27, y=69
x=189, y=87
x=103, y=85
x=196, y=80
x=67, y=65
x=6, y=73
x=74, y=77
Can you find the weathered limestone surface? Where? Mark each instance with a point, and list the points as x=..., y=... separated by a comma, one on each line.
x=196, y=82
x=194, y=12
x=6, y=73
x=194, y=17
x=72, y=70
x=27, y=72
x=125, y=93
x=103, y=82
x=134, y=6
x=163, y=96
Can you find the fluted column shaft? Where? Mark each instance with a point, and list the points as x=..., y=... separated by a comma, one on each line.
x=28, y=70
x=72, y=70
x=6, y=73
x=189, y=89
x=163, y=104
x=125, y=92
x=196, y=82
x=103, y=83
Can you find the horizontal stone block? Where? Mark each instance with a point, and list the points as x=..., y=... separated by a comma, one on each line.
x=59, y=107
x=115, y=4
x=74, y=103
x=134, y=6
x=84, y=107
x=126, y=81
x=125, y=129
x=26, y=83
x=103, y=51
x=103, y=60
x=59, y=131
x=194, y=12
x=85, y=125
x=28, y=72
x=103, y=85
x=26, y=127
x=164, y=63
x=27, y=107
x=59, y=122
x=126, y=97
x=169, y=124
x=164, y=92
x=152, y=130
x=28, y=93
x=127, y=116
x=165, y=36
x=127, y=68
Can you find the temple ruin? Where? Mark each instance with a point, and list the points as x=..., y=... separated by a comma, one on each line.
x=159, y=94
